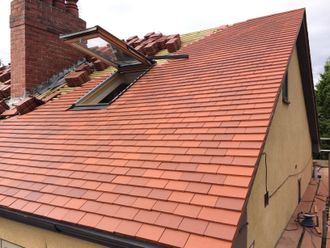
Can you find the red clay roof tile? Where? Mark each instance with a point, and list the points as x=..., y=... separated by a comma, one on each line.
x=168, y=220
x=128, y=227
x=219, y=215
x=193, y=226
x=150, y=232
x=75, y=203
x=73, y=216
x=220, y=231
x=147, y=216
x=230, y=203
x=144, y=203
x=196, y=241
x=31, y=207
x=58, y=213
x=165, y=206
x=19, y=204
x=181, y=197
x=108, y=224
x=167, y=160
x=204, y=200
x=174, y=238
x=90, y=219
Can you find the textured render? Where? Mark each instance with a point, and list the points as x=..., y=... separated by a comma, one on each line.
x=288, y=149
x=171, y=160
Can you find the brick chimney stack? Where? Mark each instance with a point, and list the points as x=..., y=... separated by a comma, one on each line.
x=37, y=53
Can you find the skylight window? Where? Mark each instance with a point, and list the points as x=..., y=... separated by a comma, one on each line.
x=99, y=43
x=106, y=51
x=130, y=64
x=107, y=91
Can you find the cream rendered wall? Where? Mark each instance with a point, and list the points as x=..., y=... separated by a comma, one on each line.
x=288, y=153
x=31, y=237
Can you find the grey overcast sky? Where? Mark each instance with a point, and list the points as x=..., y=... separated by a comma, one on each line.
x=124, y=18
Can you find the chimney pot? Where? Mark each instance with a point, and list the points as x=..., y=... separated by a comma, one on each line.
x=49, y=2
x=59, y=4
x=71, y=7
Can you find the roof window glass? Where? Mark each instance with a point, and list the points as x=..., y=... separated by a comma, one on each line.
x=101, y=44
x=130, y=65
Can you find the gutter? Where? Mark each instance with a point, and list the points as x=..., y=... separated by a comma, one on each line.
x=88, y=234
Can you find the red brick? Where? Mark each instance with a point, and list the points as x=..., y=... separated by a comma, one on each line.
x=71, y=7
x=32, y=45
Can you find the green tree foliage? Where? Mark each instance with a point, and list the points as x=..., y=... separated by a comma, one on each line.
x=323, y=104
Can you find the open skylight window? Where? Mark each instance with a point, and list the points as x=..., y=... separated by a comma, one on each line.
x=101, y=44
x=107, y=91
x=130, y=65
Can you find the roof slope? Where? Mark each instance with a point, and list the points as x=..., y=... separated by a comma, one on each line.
x=171, y=160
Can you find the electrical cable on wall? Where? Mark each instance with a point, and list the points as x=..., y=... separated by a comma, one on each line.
x=285, y=180
x=289, y=176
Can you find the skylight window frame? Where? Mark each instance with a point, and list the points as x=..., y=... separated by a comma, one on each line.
x=98, y=32
x=78, y=104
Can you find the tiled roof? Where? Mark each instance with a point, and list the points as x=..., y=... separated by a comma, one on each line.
x=5, y=74
x=80, y=75
x=171, y=160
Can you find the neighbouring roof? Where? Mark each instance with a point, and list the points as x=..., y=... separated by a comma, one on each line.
x=171, y=160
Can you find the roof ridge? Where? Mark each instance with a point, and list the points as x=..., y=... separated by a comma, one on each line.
x=272, y=15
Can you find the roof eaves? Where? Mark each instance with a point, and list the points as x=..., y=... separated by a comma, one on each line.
x=111, y=240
